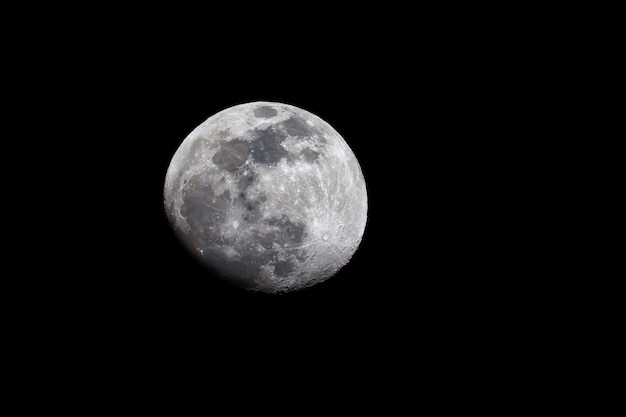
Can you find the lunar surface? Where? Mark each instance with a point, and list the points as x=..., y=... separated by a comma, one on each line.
x=268, y=196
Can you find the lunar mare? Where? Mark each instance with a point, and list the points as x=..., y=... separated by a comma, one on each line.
x=267, y=195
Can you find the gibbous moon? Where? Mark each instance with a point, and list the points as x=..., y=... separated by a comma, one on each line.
x=268, y=196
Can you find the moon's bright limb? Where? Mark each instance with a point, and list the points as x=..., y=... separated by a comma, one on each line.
x=267, y=195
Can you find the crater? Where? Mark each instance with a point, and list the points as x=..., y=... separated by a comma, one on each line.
x=297, y=126
x=309, y=155
x=265, y=112
x=283, y=268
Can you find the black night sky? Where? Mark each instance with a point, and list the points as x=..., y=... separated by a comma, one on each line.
x=428, y=252
x=440, y=276
x=422, y=130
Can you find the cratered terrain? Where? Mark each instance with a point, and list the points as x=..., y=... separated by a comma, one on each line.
x=268, y=196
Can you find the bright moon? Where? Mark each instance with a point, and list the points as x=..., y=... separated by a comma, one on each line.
x=268, y=196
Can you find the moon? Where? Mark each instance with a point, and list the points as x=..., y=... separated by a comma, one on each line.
x=268, y=196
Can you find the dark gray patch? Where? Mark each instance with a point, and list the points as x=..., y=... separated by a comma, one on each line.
x=293, y=233
x=267, y=147
x=288, y=233
x=266, y=239
x=309, y=155
x=251, y=215
x=251, y=208
x=203, y=210
x=246, y=181
x=231, y=155
x=297, y=126
x=265, y=112
x=283, y=268
x=278, y=221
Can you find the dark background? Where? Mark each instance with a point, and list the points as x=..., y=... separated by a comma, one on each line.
x=424, y=127
x=424, y=112
x=446, y=282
